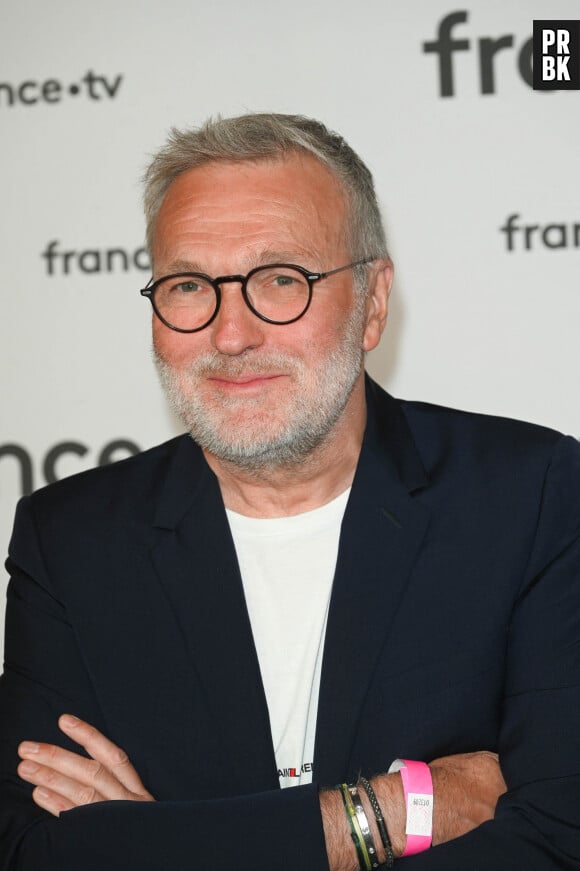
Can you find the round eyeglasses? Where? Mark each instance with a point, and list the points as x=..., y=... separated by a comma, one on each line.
x=279, y=293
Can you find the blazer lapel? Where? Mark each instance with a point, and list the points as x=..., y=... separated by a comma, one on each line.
x=197, y=564
x=382, y=531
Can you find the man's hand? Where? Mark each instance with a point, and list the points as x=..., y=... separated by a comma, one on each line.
x=466, y=788
x=65, y=780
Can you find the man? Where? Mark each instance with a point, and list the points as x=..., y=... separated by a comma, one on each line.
x=323, y=579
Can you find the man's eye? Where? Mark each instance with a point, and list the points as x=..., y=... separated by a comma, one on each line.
x=283, y=280
x=186, y=287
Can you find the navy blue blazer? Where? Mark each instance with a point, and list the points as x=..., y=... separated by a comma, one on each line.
x=454, y=626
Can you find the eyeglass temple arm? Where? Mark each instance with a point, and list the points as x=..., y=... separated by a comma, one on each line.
x=342, y=268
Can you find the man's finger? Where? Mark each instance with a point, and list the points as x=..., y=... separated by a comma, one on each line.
x=113, y=758
x=54, y=781
x=50, y=801
x=87, y=773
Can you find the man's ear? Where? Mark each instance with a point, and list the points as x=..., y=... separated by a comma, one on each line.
x=381, y=276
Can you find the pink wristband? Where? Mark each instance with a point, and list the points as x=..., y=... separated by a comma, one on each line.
x=418, y=788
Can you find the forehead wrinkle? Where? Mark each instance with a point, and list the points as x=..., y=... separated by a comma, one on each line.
x=189, y=244
x=237, y=209
x=308, y=259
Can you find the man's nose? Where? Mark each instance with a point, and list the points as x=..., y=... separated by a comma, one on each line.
x=235, y=329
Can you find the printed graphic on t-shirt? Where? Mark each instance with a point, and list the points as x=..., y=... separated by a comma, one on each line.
x=296, y=776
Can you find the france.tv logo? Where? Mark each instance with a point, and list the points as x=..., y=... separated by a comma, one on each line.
x=556, y=55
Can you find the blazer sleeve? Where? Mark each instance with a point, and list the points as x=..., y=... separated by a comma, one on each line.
x=44, y=676
x=537, y=822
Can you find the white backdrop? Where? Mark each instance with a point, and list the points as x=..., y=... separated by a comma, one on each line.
x=88, y=90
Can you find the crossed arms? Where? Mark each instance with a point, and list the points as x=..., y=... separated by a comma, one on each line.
x=466, y=788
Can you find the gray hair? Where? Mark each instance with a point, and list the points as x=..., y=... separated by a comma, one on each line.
x=257, y=137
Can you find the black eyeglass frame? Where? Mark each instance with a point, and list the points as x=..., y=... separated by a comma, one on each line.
x=311, y=278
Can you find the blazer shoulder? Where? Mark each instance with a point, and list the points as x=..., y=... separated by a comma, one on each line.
x=435, y=422
x=523, y=469
x=465, y=447
x=134, y=480
x=480, y=450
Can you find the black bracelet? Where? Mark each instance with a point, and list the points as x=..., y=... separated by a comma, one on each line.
x=390, y=856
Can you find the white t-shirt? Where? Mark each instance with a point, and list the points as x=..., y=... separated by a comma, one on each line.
x=287, y=566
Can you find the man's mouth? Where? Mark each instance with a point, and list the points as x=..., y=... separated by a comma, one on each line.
x=253, y=379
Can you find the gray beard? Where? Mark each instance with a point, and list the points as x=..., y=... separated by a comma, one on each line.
x=318, y=400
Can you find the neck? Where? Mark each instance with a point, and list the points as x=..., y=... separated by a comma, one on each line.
x=279, y=491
